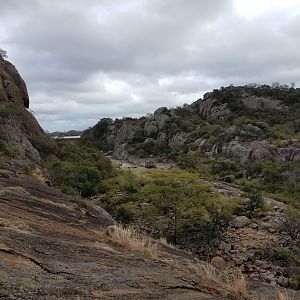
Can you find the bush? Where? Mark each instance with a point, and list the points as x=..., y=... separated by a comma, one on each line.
x=255, y=199
x=83, y=180
x=282, y=254
x=78, y=169
x=291, y=223
x=222, y=166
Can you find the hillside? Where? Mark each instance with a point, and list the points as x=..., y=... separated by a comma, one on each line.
x=239, y=194
x=233, y=134
x=243, y=122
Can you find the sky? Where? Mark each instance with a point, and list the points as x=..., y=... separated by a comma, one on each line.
x=83, y=60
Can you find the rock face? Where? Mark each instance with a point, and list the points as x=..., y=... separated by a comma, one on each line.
x=262, y=103
x=245, y=151
x=12, y=86
x=21, y=135
x=210, y=108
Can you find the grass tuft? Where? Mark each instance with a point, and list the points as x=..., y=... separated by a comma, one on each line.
x=284, y=295
x=228, y=281
x=129, y=238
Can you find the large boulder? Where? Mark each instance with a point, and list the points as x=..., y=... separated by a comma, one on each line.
x=161, y=121
x=211, y=108
x=262, y=103
x=240, y=221
x=254, y=150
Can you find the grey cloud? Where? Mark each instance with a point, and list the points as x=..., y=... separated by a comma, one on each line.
x=83, y=60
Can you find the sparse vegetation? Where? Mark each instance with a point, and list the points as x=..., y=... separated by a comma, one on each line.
x=229, y=282
x=284, y=295
x=291, y=223
x=130, y=239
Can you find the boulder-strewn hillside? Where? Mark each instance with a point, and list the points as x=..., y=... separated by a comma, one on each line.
x=243, y=142
x=243, y=122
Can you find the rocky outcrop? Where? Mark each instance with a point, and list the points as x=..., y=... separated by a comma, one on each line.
x=150, y=129
x=262, y=103
x=220, y=123
x=53, y=247
x=22, y=138
x=245, y=151
x=160, y=111
x=214, y=106
x=211, y=108
x=12, y=86
x=178, y=140
x=161, y=121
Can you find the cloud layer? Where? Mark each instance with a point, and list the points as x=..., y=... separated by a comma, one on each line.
x=84, y=60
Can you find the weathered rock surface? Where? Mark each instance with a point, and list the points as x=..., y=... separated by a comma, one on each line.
x=161, y=120
x=245, y=151
x=12, y=86
x=210, y=108
x=262, y=103
x=178, y=140
x=53, y=248
x=21, y=135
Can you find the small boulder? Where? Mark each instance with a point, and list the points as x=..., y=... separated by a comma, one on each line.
x=240, y=221
x=253, y=226
x=225, y=246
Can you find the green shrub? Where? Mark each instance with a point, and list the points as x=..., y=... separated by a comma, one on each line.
x=282, y=254
x=222, y=166
x=78, y=169
x=291, y=223
x=296, y=279
x=255, y=199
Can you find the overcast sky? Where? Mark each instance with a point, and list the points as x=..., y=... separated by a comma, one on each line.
x=87, y=59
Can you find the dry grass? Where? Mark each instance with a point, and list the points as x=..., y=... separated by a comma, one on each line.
x=129, y=238
x=227, y=281
x=284, y=295
x=163, y=241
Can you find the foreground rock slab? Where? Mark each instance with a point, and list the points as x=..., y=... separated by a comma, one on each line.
x=52, y=248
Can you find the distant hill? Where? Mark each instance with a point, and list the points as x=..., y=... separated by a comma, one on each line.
x=244, y=122
x=65, y=133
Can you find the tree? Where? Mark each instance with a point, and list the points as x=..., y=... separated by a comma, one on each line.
x=3, y=53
